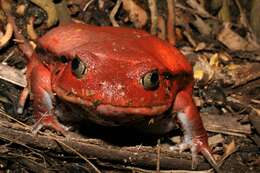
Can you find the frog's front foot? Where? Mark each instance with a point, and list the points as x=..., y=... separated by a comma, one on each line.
x=197, y=145
x=49, y=120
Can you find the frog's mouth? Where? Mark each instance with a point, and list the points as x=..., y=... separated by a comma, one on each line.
x=109, y=115
x=108, y=110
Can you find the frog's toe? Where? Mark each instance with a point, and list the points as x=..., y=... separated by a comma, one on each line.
x=180, y=147
x=185, y=146
x=201, y=145
x=49, y=121
x=197, y=145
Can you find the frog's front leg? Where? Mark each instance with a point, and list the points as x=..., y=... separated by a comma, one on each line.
x=195, y=136
x=43, y=99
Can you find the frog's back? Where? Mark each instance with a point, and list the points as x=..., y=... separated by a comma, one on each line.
x=77, y=34
x=128, y=43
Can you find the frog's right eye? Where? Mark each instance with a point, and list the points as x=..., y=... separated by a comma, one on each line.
x=78, y=67
x=150, y=80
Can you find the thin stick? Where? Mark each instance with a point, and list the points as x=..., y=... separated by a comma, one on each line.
x=171, y=22
x=89, y=164
x=113, y=13
x=158, y=156
x=154, y=16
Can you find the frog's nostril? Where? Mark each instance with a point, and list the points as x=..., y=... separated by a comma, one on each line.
x=150, y=81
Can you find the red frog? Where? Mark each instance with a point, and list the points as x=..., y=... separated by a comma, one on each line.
x=113, y=76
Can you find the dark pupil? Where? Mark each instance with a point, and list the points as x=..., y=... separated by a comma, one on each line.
x=75, y=63
x=154, y=78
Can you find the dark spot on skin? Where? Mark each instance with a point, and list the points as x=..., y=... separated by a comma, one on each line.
x=90, y=93
x=57, y=71
x=40, y=51
x=130, y=103
x=47, y=56
x=69, y=93
x=96, y=103
x=62, y=59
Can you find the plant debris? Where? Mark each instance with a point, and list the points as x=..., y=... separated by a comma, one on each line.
x=220, y=38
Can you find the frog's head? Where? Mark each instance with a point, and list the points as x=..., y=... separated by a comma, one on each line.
x=112, y=76
x=113, y=86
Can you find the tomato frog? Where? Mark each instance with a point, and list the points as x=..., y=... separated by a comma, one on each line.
x=113, y=77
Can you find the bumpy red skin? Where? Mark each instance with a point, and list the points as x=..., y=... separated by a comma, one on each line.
x=116, y=59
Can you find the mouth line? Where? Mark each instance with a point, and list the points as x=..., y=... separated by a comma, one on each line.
x=114, y=110
x=105, y=109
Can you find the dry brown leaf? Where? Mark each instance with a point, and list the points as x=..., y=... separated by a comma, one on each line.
x=214, y=60
x=20, y=9
x=255, y=120
x=203, y=72
x=225, y=57
x=230, y=148
x=201, y=25
x=224, y=13
x=255, y=17
x=234, y=41
x=50, y=9
x=216, y=139
x=7, y=36
x=12, y=75
x=137, y=14
x=30, y=29
x=200, y=46
x=198, y=7
x=242, y=73
x=154, y=16
x=161, y=28
x=63, y=12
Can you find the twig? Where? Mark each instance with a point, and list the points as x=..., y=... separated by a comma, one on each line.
x=92, y=167
x=190, y=39
x=144, y=157
x=50, y=9
x=113, y=13
x=139, y=170
x=7, y=36
x=192, y=11
x=12, y=75
x=154, y=16
x=87, y=5
x=170, y=22
x=63, y=12
x=30, y=29
x=4, y=61
x=158, y=156
x=161, y=28
x=245, y=23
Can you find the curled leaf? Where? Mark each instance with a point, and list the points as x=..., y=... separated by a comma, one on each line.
x=203, y=72
x=161, y=28
x=234, y=41
x=137, y=14
x=50, y=9
x=7, y=36
x=20, y=9
x=30, y=29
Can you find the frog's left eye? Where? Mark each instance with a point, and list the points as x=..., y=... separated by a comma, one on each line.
x=78, y=67
x=150, y=80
